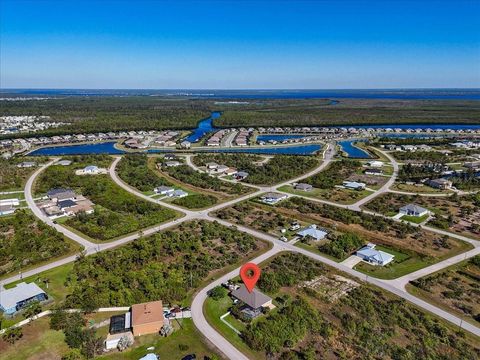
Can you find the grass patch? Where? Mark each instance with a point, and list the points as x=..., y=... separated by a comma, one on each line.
x=415, y=219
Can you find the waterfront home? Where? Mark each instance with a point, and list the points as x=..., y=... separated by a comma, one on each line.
x=273, y=198
x=303, y=187
x=64, y=162
x=353, y=185
x=312, y=232
x=413, y=210
x=18, y=297
x=185, y=144
x=442, y=183
x=373, y=256
x=164, y=190
x=170, y=157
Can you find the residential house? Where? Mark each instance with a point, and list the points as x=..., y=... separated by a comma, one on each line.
x=178, y=194
x=373, y=172
x=27, y=164
x=273, y=198
x=91, y=170
x=18, y=297
x=164, y=190
x=64, y=162
x=312, y=232
x=373, y=256
x=147, y=318
x=120, y=326
x=185, y=144
x=172, y=163
x=61, y=194
x=241, y=175
x=442, y=183
x=211, y=165
x=375, y=163
x=230, y=171
x=353, y=185
x=303, y=187
x=6, y=209
x=254, y=301
x=221, y=169
x=413, y=210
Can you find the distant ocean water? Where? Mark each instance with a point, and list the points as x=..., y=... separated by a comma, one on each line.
x=405, y=94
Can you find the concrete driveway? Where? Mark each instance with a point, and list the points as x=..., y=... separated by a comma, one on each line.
x=351, y=261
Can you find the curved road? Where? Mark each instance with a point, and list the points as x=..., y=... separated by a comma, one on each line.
x=396, y=286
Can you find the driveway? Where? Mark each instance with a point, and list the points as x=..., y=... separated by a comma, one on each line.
x=351, y=261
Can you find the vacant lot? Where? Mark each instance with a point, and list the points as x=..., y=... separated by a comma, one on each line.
x=455, y=288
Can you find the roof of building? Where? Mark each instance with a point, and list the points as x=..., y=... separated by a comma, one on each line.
x=377, y=255
x=118, y=323
x=440, y=181
x=313, y=232
x=254, y=299
x=91, y=168
x=273, y=195
x=163, y=188
x=54, y=192
x=353, y=184
x=22, y=291
x=64, y=162
x=66, y=203
x=242, y=173
x=413, y=208
x=147, y=313
x=179, y=192
x=6, y=208
x=303, y=186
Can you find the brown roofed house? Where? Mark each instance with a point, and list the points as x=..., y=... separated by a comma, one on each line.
x=147, y=318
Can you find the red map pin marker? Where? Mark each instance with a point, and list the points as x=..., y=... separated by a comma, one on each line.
x=250, y=273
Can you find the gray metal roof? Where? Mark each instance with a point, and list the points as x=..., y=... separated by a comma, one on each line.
x=23, y=291
x=255, y=299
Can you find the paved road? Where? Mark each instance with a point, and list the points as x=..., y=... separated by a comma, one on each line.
x=396, y=286
x=385, y=188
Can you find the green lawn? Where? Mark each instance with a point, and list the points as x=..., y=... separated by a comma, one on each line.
x=167, y=348
x=415, y=219
x=38, y=342
x=336, y=195
x=213, y=309
x=314, y=249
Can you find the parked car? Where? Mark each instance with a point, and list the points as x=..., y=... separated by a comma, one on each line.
x=189, y=357
x=283, y=238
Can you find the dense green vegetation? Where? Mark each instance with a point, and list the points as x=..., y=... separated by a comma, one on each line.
x=365, y=323
x=134, y=170
x=117, y=212
x=104, y=114
x=25, y=241
x=187, y=175
x=12, y=177
x=288, y=270
x=335, y=174
x=342, y=245
x=369, y=222
x=196, y=201
x=278, y=168
x=165, y=266
x=317, y=112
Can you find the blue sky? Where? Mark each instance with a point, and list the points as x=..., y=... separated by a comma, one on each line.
x=239, y=44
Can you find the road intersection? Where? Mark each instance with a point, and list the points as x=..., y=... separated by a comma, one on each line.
x=396, y=286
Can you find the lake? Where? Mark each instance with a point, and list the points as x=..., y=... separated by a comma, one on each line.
x=82, y=149
x=109, y=148
x=204, y=127
x=353, y=151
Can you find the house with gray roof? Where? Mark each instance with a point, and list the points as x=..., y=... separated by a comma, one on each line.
x=18, y=297
x=303, y=187
x=255, y=299
x=413, y=210
x=373, y=256
x=312, y=232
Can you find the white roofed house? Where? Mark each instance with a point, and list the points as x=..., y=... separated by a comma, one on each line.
x=221, y=169
x=312, y=232
x=178, y=193
x=413, y=210
x=18, y=297
x=273, y=198
x=164, y=190
x=375, y=163
x=211, y=165
x=373, y=256
x=353, y=185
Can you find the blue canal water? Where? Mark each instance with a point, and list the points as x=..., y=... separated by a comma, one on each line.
x=286, y=150
x=275, y=137
x=353, y=151
x=204, y=127
x=83, y=149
